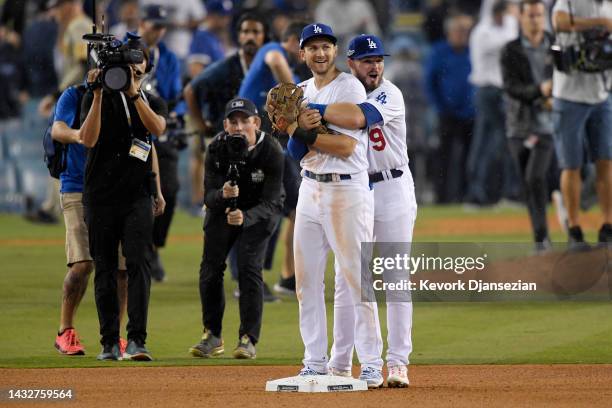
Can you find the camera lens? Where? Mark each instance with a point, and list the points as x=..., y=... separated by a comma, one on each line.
x=116, y=78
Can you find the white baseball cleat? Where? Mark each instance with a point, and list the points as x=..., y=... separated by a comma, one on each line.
x=339, y=373
x=398, y=377
x=372, y=376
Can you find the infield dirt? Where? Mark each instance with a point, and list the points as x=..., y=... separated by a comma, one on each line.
x=224, y=387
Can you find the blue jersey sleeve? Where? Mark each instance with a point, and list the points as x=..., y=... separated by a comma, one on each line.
x=67, y=106
x=296, y=149
x=372, y=115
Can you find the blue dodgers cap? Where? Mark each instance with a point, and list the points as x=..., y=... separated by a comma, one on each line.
x=156, y=14
x=317, y=30
x=365, y=45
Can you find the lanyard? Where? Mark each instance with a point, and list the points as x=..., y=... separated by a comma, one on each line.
x=127, y=110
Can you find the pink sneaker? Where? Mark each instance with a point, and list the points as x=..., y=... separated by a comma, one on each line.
x=68, y=343
x=122, y=345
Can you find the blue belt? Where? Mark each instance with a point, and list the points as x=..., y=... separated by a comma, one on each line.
x=326, y=178
x=377, y=177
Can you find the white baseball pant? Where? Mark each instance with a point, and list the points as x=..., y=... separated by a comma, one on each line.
x=336, y=216
x=395, y=211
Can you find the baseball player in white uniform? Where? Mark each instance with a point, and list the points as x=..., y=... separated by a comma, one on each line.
x=334, y=211
x=395, y=206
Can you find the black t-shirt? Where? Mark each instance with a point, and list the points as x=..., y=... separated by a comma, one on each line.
x=261, y=192
x=112, y=176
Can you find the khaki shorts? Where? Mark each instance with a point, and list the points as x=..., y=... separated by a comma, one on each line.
x=77, y=236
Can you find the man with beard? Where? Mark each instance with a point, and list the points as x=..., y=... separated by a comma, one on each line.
x=207, y=94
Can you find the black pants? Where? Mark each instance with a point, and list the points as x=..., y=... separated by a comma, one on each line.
x=455, y=140
x=533, y=165
x=132, y=225
x=251, y=244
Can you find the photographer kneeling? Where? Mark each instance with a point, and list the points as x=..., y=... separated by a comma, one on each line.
x=582, y=109
x=244, y=198
x=121, y=195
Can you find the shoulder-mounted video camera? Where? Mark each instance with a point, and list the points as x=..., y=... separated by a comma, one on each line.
x=113, y=58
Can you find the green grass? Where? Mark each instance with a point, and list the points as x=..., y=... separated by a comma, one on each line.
x=32, y=271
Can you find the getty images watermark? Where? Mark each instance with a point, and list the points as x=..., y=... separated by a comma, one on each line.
x=480, y=271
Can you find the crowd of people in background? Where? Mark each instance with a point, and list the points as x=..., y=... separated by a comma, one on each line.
x=202, y=32
x=446, y=62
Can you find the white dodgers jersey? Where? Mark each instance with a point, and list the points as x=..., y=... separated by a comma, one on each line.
x=344, y=88
x=387, y=140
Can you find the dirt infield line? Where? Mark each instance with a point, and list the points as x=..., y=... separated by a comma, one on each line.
x=223, y=386
x=449, y=226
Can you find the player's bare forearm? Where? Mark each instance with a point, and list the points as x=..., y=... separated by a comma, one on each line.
x=345, y=115
x=563, y=23
x=63, y=133
x=337, y=145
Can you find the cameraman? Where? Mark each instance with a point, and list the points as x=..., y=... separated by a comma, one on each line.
x=121, y=176
x=257, y=201
x=582, y=115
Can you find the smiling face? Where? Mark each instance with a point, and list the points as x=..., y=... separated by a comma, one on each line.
x=319, y=55
x=369, y=71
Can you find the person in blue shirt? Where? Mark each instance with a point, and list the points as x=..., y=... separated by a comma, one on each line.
x=66, y=123
x=272, y=64
x=449, y=91
x=164, y=80
x=207, y=43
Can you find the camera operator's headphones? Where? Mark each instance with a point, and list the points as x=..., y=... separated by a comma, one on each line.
x=134, y=41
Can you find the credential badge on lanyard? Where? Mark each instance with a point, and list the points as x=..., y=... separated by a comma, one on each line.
x=139, y=149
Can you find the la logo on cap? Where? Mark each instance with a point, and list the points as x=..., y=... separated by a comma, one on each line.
x=238, y=104
x=317, y=29
x=371, y=43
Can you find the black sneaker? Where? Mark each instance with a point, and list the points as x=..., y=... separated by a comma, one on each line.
x=245, y=348
x=576, y=241
x=110, y=352
x=605, y=235
x=209, y=346
x=136, y=351
x=285, y=286
x=268, y=296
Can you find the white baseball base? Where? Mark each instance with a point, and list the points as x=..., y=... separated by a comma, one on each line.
x=316, y=383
